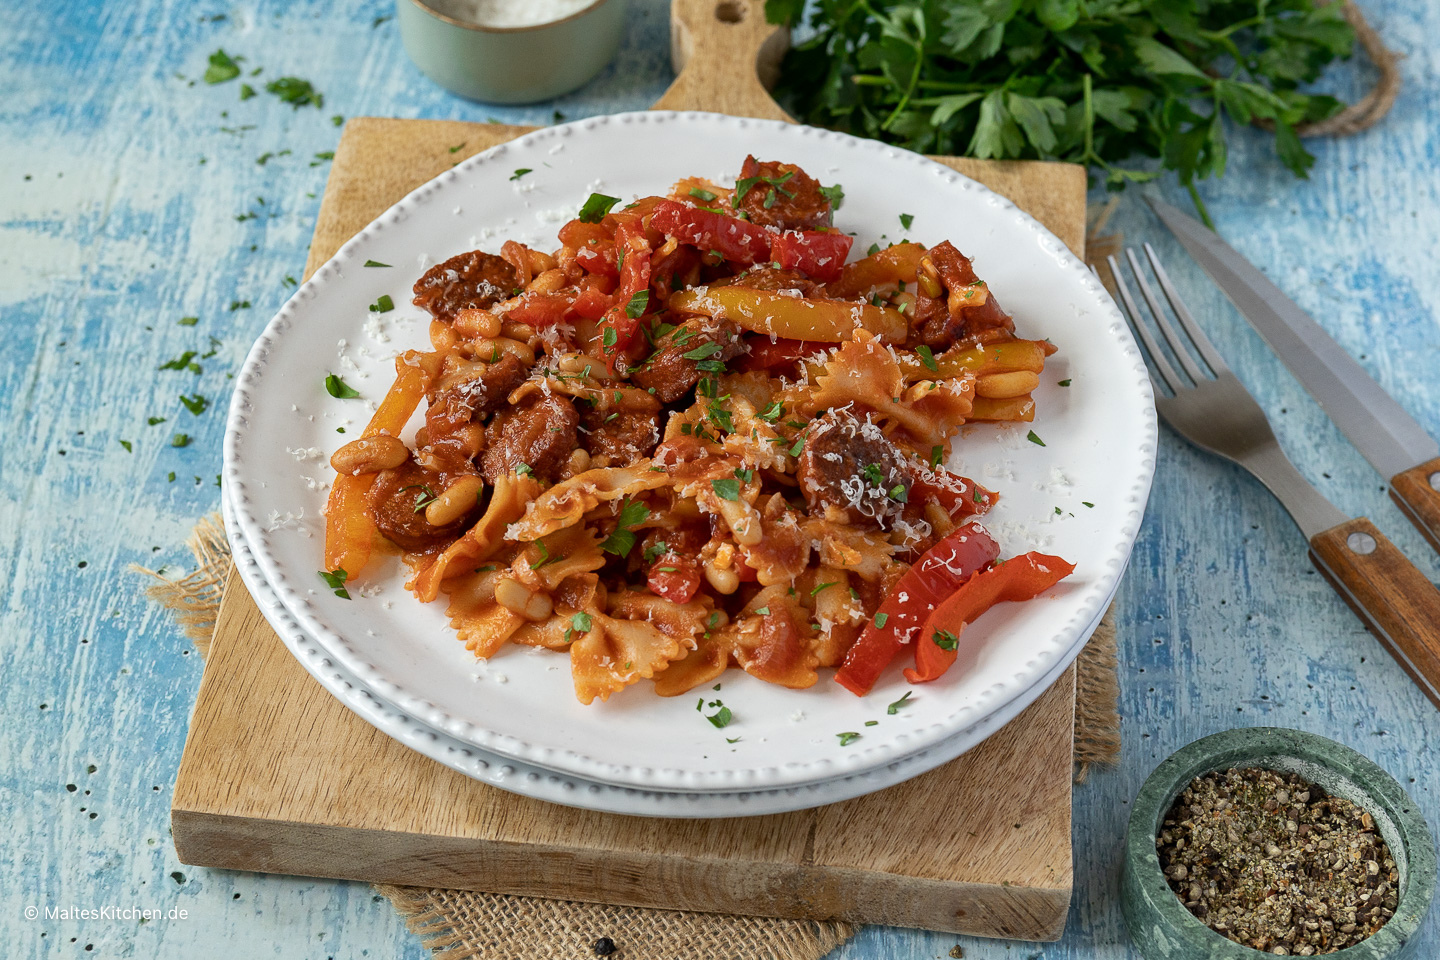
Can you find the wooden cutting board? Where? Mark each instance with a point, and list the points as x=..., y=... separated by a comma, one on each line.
x=278, y=777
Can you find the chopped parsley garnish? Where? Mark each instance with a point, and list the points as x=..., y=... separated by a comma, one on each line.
x=701, y=194
x=152, y=421
x=296, y=92
x=1065, y=382
x=523, y=470
x=726, y=488
x=927, y=357
x=880, y=619
x=722, y=717
x=703, y=351
x=823, y=586
x=799, y=445
x=180, y=440
x=222, y=68
x=183, y=362
x=383, y=305
x=424, y=498
x=638, y=302
x=335, y=580
x=126, y=444
x=945, y=640
x=772, y=413
x=873, y=473
x=874, y=249
x=622, y=541
x=595, y=207
x=579, y=624
x=835, y=194
x=937, y=453
x=899, y=494
x=322, y=156
x=894, y=708
x=188, y=321
x=1035, y=439
x=656, y=550
x=239, y=305
x=339, y=389
x=246, y=91
x=745, y=184
x=732, y=739
x=872, y=723
x=906, y=219
x=762, y=611
x=195, y=403
x=848, y=737
x=521, y=172
x=1088, y=504
x=544, y=556
x=375, y=263
x=745, y=475
x=610, y=337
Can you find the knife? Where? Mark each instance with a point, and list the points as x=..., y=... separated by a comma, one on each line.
x=1379, y=427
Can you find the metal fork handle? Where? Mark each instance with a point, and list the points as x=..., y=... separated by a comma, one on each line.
x=1311, y=512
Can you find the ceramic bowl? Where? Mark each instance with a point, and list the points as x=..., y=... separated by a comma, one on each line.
x=1159, y=924
x=511, y=64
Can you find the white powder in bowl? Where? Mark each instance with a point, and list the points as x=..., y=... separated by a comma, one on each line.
x=508, y=13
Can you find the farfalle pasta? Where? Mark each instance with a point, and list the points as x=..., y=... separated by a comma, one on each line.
x=693, y=437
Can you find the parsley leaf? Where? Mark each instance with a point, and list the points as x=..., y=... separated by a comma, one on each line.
x=848, y=737
x=927, y=357
x=1035, y=439
x=835, y=194
x=638, y=302
x=727, y=488
x=906, y=219
x=196, y=404
x=383, y=305
x=521, y=172
x=595, y=207
x=296, y=92
x=339, y=389
x=335, y=580
x=721, y=718
x=894, y=708
x=945, y=640
x=375, y=263
x=222, y=68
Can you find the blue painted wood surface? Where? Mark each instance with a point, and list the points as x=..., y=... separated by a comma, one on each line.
x=132, y=195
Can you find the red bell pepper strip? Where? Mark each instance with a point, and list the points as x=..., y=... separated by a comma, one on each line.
x=1019, y=578
x=630, y=240
x=766, y=353
x=598, y=259
x=731, y=237
x=540, y=309
x=818, y=255
x=923, y=588
x=592, y=303
x=959, y=496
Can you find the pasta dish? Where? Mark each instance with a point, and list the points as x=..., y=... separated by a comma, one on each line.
x=694, y=437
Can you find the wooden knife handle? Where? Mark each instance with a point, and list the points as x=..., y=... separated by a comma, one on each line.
x=1395, y=600
x=1417, y=492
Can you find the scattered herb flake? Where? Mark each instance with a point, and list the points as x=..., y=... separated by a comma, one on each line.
x=906, y=219
x=721, y=718
x=339, y=389
x=335, y=580
x=848, y=737
x=521, y=172
x=180, y=440
x=726, y=488
x=927, y=357
x=894, y=708
x=375, y=263
x=1088, y=504
x=945, y=640
x=195, y=403
x=1035, y=439
x=595, y=207
x=638, y=302
x=1065, y=382
x=127, y=446
x=383, y=305
x=296, y=92
x=223, y=67
x=880, y=619
x=188, y=321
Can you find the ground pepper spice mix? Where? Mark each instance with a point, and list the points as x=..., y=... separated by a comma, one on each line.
x=1275, y=863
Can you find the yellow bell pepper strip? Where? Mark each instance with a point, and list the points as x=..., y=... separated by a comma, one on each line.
x=828, y=321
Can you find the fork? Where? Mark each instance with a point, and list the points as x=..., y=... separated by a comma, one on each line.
x=1206, y=404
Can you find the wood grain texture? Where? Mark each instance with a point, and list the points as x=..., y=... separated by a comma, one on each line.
x=1417, y=493
x=1397, y=602
x=278, y=776
x=258, y=783
x=112, y=228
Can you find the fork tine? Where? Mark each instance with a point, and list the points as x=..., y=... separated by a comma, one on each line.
x=1207, y=350
x=1172, y=336
x=1137, y=323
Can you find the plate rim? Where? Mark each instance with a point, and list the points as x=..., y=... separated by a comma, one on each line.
x=1110, y=565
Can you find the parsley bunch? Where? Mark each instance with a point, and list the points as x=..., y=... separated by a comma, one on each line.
x=1097, y=82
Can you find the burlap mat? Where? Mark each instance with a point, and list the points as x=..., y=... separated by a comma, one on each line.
x=462, y=925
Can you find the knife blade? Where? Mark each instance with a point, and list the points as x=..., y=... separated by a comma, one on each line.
x=1387, y=436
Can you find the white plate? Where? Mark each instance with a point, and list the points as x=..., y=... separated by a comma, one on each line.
x=1099, y=435
x=541, y=784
